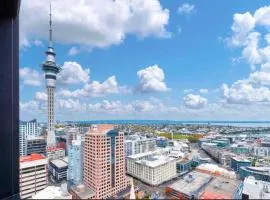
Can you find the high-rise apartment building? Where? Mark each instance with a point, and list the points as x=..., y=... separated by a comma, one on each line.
x=75, y=161
x=51, y=70
x=33, y=175
x=139, y=145
x=26, y=129
x=104, y=161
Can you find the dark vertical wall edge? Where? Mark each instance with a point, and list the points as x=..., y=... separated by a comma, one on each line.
x=9, y=101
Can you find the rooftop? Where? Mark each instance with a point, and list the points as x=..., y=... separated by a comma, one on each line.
x=139, y=155
x=60, y=163
x=256, y=189
x=240, y=159
x=191, y=184
x=32, y=157
x=100, y=129
x=220, y=188
x=83, y=192
x=155, y=161
x=52, y=192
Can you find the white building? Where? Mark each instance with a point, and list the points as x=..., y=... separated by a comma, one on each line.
x=261, y=151
x=33, y=175
x=151, y=167
x=139, y=145
x=255, y=189
x=27, y=128
x=55, y=153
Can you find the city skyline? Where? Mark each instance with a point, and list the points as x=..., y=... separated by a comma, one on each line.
x=183, y=61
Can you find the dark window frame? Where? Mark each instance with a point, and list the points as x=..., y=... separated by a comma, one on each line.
x=9, y=99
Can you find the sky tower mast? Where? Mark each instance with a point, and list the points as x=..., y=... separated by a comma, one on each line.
x=51, y=70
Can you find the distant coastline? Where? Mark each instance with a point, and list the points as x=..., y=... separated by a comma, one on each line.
x=175, y=122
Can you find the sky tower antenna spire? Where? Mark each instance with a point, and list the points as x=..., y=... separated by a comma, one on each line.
x=50, y=31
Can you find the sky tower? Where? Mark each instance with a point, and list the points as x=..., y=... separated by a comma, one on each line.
x=51, y=70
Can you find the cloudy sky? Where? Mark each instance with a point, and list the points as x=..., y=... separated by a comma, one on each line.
x=148, y=59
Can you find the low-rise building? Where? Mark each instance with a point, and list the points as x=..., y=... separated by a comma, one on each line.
x=237, y=162
x=58, y=169
x=55, y=153
x=189, y=187
x=151, y=168
x=184, y=166
x=220, y=188
x=255, y=189
x=261, y=151
x=260, y=173
x=33, y=175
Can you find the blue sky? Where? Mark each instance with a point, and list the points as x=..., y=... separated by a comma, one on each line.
x=180, y=60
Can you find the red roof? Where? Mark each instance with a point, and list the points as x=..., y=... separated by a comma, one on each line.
x=32, y=157
x=211, y=195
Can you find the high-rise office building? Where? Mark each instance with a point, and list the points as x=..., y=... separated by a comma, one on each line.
x=26, y=129
x=71, y=134
x=104, y=161
x=51, y=70
x=33, y=175
x=35, y=145
x=75, y=161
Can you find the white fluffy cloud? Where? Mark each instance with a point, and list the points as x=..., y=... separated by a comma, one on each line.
x=186, y=8
x=151, y=79
x=248, y=31
x=30, y=77
x=73, y=73
x=96, y=89
x=41, y=96
x=243, y=92
x=242, y=25
x=203, y=91
x=193, y=101
x=148, y=107
x=73, y=51
x=71, y=105
x=97, y=23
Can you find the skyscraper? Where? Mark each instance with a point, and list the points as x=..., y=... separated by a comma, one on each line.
x=27, y=129
x=51, y=70
x=104, y=161
x=75, y=161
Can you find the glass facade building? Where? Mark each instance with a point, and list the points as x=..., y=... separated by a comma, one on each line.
x=75, y=161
